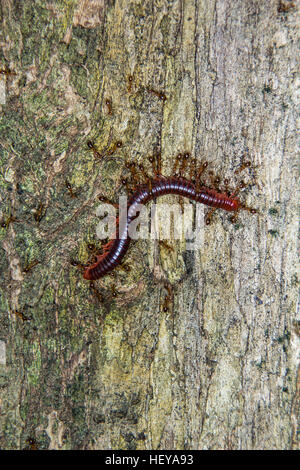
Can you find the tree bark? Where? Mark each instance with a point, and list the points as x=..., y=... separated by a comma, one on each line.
x=81, y=368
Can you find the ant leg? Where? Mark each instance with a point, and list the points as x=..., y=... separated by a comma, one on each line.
x=155, y=161
x=244, y=165
x=114, y=292
x=5, y=223
x=143, y=171
x=242, y=185
x=208, y=216
x=30, y=265
x=128, y=185
x=68, y=185
x=158, y=162
x=78, y=265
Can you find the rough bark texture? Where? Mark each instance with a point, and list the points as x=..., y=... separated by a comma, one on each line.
x=218, y=370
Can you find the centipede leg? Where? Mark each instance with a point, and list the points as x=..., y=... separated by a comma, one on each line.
x=252, y=210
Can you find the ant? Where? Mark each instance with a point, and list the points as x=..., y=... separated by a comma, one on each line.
x=284, y=8
x=31, y=265
x=7, y=72
x=168, y=298
x=160, y=95
x=40, y=212
x=70, y=189
x=9, y=220
x=108, y=103
x=130, y=82
x=20, y=315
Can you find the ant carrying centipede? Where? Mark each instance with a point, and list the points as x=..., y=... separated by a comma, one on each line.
x=154, y=187
x=186, y=181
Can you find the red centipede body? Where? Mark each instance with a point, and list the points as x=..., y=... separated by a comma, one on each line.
x=161, y=185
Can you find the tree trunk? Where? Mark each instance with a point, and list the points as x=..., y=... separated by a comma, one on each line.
x=199, y=348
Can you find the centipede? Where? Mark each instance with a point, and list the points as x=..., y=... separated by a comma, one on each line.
x=115, y=250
